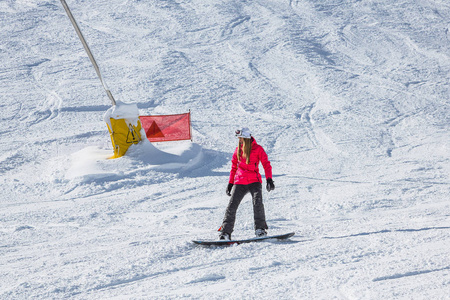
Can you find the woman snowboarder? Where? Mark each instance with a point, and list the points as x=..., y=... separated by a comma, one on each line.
x=245, y=178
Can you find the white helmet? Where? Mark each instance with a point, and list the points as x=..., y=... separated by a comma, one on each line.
x=243, y=133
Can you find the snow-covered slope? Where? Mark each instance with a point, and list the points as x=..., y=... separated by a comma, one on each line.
x=350, y=99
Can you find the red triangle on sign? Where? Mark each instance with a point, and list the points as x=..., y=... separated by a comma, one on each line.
x=154, y=131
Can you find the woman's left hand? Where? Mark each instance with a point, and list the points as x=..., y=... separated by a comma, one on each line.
x=270, y=186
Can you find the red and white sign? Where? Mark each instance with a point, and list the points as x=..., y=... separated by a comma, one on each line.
x=167, y=127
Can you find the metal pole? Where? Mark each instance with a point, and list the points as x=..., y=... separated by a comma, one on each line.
x=88, y=51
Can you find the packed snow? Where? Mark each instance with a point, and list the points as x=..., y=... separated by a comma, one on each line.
x=350, y=99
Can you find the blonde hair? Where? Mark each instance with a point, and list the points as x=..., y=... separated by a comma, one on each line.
x=244, y=148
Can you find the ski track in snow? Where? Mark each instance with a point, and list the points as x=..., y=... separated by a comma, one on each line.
x=350, y=99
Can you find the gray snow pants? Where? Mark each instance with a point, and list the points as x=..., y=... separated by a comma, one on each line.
x=239, y=191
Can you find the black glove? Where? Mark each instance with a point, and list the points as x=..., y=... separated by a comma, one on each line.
x=270, y=186
x=229, y=187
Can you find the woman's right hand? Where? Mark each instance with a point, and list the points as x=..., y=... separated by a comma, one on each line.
x=229, y=187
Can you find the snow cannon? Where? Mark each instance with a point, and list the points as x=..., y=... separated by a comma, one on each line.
x=124, y=127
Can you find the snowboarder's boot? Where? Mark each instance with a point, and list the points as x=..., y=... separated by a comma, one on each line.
x=225, y=236
x=260, y=233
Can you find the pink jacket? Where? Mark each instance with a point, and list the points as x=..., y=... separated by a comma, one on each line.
x=243, y=173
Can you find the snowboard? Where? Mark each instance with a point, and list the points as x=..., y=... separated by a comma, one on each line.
x=242, y=241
